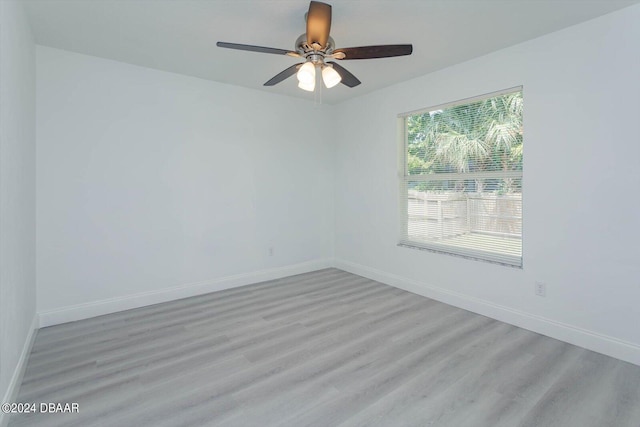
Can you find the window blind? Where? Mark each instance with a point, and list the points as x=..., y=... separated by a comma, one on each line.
x=461, y=181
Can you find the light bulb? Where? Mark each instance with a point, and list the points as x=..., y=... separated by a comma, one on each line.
x=307, y=73
x=330, y=77
x=309, y=87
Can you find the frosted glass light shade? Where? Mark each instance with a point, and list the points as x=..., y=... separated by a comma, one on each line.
x=309, y=87
x=307, y=74
x=330, y=77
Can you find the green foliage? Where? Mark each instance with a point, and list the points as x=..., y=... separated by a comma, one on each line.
x=478, y=137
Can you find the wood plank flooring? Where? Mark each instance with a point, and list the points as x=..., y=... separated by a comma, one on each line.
x=326, y=348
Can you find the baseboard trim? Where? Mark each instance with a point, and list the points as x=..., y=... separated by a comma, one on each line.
x=590, y=340
x=14, y=385
x=112, y=305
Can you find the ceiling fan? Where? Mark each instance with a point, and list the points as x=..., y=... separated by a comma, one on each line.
x=316, y=46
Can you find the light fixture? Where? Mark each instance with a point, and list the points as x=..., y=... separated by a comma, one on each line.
x=307, y=73
x=309, y=87
x=330, y=77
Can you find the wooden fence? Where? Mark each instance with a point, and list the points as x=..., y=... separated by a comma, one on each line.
x=440, y=215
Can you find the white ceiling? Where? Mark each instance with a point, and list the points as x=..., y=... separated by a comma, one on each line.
x=180, y=35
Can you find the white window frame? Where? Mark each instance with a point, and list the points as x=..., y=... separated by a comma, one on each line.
x=404, y=178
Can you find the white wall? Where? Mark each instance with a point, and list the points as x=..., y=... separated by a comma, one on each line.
x=17, y=194
x=581, y=205
x=149, y=181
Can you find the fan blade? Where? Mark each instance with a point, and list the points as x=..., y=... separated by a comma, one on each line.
x=318, y=24
x=260, y=49
x=370, y=52
x=348, y=79
x=283, y=75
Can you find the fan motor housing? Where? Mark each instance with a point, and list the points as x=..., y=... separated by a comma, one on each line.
x=315, y=56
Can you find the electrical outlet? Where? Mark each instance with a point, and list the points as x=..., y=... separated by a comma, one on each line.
x=540, y=289
x=271, y=251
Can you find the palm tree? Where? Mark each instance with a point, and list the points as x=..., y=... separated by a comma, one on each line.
x=479, y=137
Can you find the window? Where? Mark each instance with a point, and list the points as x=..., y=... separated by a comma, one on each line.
x=461, y=185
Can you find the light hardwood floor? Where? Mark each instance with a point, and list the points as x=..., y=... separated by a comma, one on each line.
x=325, y=348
